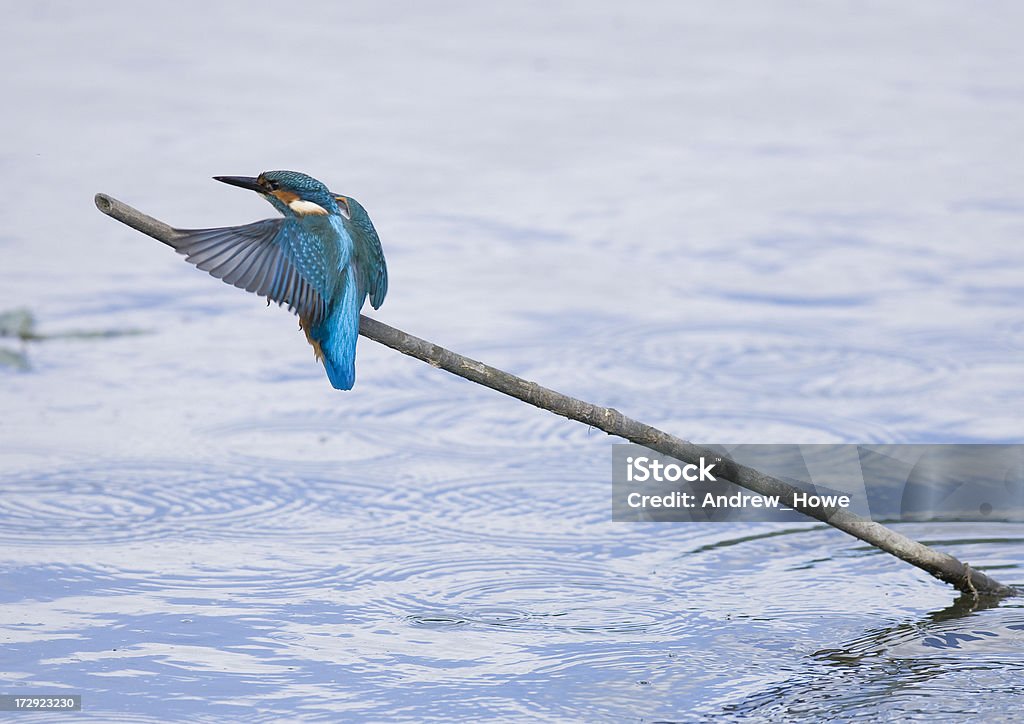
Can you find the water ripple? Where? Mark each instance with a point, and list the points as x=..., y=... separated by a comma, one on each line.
x=154, y=500
x=552, y=595
x=816, y=363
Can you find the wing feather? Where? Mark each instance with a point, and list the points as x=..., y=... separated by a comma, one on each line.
x=244, y=268
x=261, y=268
x=254, y=257
x=369, y=254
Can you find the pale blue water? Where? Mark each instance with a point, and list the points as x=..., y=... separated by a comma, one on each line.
x=744, y=222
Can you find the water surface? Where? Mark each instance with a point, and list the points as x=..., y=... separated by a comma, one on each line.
x=747, y=223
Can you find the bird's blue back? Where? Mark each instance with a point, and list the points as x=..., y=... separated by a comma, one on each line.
x=323, y=250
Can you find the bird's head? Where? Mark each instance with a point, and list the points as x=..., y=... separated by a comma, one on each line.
x=292, y=193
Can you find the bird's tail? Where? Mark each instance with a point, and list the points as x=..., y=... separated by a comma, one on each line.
x=341, y=371
x=338, y=344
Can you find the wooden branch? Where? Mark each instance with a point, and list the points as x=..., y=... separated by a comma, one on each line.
x=941, y=565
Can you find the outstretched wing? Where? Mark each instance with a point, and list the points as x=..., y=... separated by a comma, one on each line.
x=368, y=252
x=257, y=258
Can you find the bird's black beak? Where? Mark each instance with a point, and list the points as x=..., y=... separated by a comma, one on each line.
x=245, y=182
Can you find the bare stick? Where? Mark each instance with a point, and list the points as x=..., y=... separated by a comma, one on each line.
x=941, y=565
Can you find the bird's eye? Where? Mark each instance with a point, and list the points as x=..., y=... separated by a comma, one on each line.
x=272, y=185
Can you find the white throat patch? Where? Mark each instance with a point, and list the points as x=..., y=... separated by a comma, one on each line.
x=302, y=208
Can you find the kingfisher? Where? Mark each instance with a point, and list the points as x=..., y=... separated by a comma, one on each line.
x=321, y=260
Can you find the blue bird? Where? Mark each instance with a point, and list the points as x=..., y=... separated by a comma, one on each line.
x=321, y=261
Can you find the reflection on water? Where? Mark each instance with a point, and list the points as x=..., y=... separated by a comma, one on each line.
x=907, y=670
x=737, y=231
